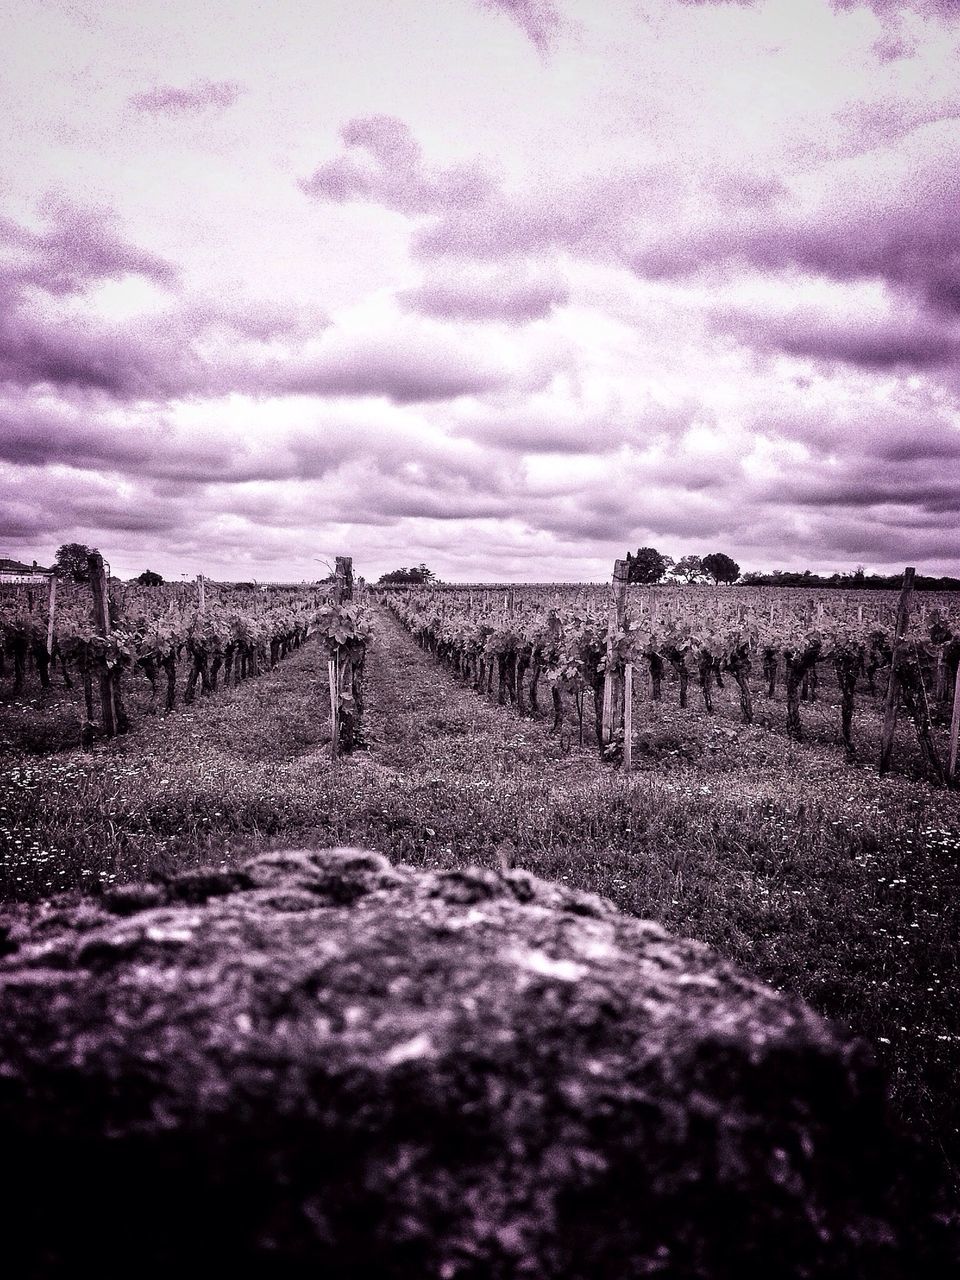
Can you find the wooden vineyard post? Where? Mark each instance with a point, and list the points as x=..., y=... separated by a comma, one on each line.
x=333, y=677
x=343, y=579
x=893, y=684
x=618, y=601
x=201, y=596
x=344, y=674
x=51, y=612
x=954, y=729
x=628, y=718
x=101, y=622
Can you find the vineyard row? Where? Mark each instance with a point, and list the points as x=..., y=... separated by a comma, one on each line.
x=220, y=635
x=594, y=650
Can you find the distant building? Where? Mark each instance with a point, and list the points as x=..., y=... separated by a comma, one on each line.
x=17, y=566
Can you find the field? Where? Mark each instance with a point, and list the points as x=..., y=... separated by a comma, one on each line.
x=805, y=866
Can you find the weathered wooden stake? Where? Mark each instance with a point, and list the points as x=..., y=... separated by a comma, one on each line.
x=334, y=680
x=939, y=678
x=201, y=596
x=51, y=612
x=618, y=601
x=628, y=718
x=954, y=728
x=342, y=592
x=101, y=621
x=343, y=580
x=893, y=684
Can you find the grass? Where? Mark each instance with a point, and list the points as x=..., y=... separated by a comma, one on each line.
x=821, y=877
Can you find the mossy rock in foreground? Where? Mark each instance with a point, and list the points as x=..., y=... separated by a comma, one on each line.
x=325, y=1065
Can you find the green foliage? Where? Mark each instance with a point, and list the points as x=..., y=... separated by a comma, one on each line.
x=858, y=580
x=343, y=626
x=71, y=562
x=150, y=579
x=721, y=567
x=417, y=577
x=689, y=569
x=647, y=566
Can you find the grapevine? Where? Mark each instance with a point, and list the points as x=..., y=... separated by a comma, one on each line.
x=161, y=634
x=494, y=646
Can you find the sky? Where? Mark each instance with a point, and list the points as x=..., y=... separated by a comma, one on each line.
x=507, y=287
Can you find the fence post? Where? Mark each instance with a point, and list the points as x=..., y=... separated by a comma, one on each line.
x=101, y=621
x=893, y=684
x=51, y=612
x=342, y=591
x=343, y=579
x=628, y=718
x=954, y=728
x=618, y=601
x=334, y=682
x=201, y=595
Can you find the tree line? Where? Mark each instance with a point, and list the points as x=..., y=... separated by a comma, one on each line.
x=650, y=566
x=647, y=566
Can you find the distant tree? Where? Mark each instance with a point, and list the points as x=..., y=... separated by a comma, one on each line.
x=408, y=577
x=647, y=566
x=721, y=567
x=71, y=562
x=150, y=579
x=689, y=568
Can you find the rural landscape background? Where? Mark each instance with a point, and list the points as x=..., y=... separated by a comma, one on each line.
x=506, y=286
x=521, y=433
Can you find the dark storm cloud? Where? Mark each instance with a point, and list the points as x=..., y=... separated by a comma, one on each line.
x=503, y=296
x=539, y=19
x=914, y=246
x=904, y=236
x=859, y=430
x=77, y=248
x=140, y=361
x=407, y=369
x=190, y=348
x=168, y=100
x=871, y=125
x=160, y=359
x=51, y=503
x=571, y=430
x=473, y=217
x=591, y=217
x=383, y=163
x=894, y=342
x=87, y=437
x=931, y=493
x=883, y=8
x=947, y=9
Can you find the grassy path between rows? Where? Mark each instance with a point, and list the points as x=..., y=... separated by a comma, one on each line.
x=820, y=877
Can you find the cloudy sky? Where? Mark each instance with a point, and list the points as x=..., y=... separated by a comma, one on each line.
x=507, y=286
